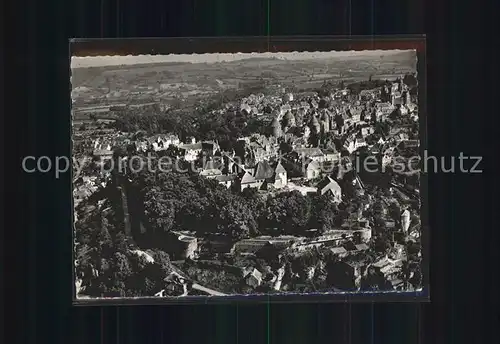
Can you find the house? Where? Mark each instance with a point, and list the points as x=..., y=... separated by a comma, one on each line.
x=162, y=142
x=259, y=152
x=253, y=278
x=339, y=251
x=245, y=107
x=315, y=154
x=366, y=95
x=362, y=247
x=397, y=99
x=389, y=224
x=246, y=180
x=359, y=142
x=284, y=109
x=387, y=267
x=288, y=97
x=280, y=176
x=312, y=169
x=331, y=156
x=263, y=171
x=367, y=131
x=191, y=151
x=328, y=186
x=226, y=180
x=350, y=144
x=102, y=149
x=356, y=114
x=211, y=169
x=383, y=110
x=209, y=148
x=103, y=153
x=412, y=108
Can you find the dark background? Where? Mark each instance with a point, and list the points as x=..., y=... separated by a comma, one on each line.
x=460, y=90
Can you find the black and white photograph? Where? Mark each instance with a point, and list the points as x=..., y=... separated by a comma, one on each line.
x=246, y=174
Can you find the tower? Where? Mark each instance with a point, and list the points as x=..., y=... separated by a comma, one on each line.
x=314, y=125
x=289, y=120
x=276, y=127
x=325, y=121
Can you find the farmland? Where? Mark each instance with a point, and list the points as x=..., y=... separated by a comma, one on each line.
x=154, y=82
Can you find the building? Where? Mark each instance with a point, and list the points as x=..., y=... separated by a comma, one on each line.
x=405, y=220
x=191, y=151
x=325, y=121
x=209, y=148
x=328, y=186
x=182, y=245
x=211, y=169
x=253, y=278
x=280, y=176
x=314, y=125
x=366, y=95
x=246, y=180
x=312, y=169
x=288, y=120
x=387, y=267
x=288, y=98
x=362, y=247
x=383, y=110
x=367, y=131
x=359, y=142
x=339, y=251
x=276, y=127
x=226, y=180
x=350, y=144
x=162, y=142
x=315, y=154
x=263, y=171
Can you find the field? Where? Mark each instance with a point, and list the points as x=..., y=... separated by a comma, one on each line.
x=131, y=84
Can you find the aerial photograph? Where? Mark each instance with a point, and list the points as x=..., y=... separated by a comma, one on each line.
x=246, y=174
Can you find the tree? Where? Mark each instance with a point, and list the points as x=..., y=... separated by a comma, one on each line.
x=121, y=242
x=121, y=267
x=325, y=213
x=395, y=211
x=104, y=240
x=289, y=211
x=162, y=259
x=160, y=211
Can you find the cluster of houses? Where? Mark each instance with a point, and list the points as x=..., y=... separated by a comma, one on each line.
x=293, y=120
x=304, y=123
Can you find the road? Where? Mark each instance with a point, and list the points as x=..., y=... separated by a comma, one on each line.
x=207, y=290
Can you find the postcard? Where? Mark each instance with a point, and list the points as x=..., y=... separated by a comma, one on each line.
x=246, y=174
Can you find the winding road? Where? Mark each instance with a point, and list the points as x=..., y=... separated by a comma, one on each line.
x=207, y=290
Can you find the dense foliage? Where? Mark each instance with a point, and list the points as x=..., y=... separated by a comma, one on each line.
x=190, y=202
x=108, y=264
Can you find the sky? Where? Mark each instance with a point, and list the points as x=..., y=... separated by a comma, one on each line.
x=99, y=61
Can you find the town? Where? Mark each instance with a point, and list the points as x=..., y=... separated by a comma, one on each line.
x=256, y=189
